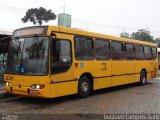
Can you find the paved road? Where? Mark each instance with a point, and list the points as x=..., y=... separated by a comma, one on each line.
x=124, y=99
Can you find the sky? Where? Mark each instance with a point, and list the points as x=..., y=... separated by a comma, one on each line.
x=103, y=16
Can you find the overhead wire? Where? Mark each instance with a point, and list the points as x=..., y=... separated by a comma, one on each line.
x=17, y=10
x=11, y=7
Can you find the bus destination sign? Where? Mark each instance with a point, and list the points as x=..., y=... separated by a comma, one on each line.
x=29, y=31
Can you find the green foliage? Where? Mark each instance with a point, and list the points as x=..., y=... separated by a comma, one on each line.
x=142, y=35
x=36, y=15
x=157, y=40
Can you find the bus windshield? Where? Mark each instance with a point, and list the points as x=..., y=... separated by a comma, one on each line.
x=28, y=56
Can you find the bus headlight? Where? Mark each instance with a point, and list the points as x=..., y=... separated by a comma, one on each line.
x=37, y=86
x=8, y=84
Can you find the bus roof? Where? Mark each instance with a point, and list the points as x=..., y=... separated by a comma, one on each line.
x=75, y=31
x=96, y=35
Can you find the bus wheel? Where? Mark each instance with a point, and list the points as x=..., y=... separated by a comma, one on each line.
x=84, y=87
x=143, y=78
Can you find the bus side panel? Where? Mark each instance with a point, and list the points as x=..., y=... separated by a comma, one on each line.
x=146, y=65
x=102, y=74
x=139, y=66
x=100, y=83
x=131, y=68
x=100, y=71
x=122, y=72
x=65, y=88
x=154, y=74
x=63, y=84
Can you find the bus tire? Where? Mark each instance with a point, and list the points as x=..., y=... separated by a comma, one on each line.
x=143, y=78
x=84, y=87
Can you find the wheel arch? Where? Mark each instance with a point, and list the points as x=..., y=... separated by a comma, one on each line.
x=144, y=69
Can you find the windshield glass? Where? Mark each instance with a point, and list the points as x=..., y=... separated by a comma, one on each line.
x=28, y=55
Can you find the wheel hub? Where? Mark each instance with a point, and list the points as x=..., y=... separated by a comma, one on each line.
x=84, y=86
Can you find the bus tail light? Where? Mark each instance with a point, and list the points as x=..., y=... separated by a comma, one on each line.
x=38, y=86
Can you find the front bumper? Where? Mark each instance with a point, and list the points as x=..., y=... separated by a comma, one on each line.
x=27, y=91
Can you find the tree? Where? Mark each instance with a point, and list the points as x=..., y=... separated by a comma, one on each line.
x=157, y=40
x=36, y=15
x=142, y=35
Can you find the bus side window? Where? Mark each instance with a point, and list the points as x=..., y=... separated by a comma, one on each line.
x=84, y=48
x=147, y=52
x=102, y=49
x=117, y=50
x=61, y=55
x=154, y=53
x=129, y=53
x=139, y=52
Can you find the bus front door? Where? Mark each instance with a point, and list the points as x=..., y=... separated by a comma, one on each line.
x=62, y=68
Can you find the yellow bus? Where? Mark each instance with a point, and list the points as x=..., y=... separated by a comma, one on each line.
x=53, y=61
